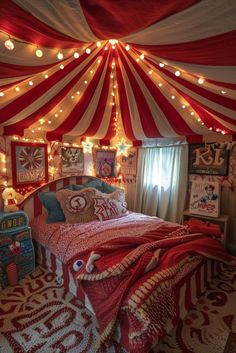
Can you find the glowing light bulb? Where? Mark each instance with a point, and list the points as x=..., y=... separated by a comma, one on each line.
x=61, y=66
x=161, y=65
x=59, y=56
x=127, y=47
x=60, y=110
x=1, y=94
x=98, y=44
x=200, y=80
x=31, y=83
x=17, y=89
x=192, y=113
x=150, y=72
x=78, y=92
x=160, y=84
x=223, y=92
x=172, y=97
x=9, y=44
x=46, y=76
x=39, y=53
x=86, y=82
x=183, y=106
x=76, y=55
x=99, y=61
x=88, y=51
x=49, y=122
x=142, y=56
x=177, y=73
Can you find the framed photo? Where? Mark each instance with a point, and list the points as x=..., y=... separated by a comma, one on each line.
x=206, y=159
x=29, y=164
x=129, y=163
x=205, y=198
x=72, y=160
x=105, y=163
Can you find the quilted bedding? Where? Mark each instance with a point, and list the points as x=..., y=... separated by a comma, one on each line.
x=129, y=269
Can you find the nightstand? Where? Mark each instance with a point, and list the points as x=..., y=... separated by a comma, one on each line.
x=16, y=247
x=223, y=222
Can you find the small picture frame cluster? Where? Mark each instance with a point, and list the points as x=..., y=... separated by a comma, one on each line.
x=205, y=198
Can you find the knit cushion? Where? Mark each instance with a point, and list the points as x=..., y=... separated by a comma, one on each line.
x=77, y=206
x=108, y=206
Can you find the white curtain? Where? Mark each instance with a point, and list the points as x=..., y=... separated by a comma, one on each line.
x=162, y=181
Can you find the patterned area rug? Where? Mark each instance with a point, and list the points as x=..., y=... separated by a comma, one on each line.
x=38, y=316
x=208, y=327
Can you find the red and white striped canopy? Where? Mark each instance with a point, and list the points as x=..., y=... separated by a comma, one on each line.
x=141, y=69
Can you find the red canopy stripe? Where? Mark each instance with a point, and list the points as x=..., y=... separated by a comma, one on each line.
x=16, y=21
x=124, y=106
x=217, y=50
x=10, y=70
x=76, y=114
x=175, y=119
x=25, y=123
x=103, y=101
x=116, y=19
x=149, y=127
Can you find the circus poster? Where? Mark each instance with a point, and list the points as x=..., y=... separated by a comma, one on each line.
x=205, y=198
x=105, y=163
x=29, y=164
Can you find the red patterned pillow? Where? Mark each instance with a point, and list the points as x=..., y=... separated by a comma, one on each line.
x=77, y=206
x=108, y=206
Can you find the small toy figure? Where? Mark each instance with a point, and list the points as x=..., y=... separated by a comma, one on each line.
x=11, y=199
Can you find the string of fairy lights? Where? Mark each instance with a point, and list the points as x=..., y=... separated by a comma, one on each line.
x=65, y=56
x=139, y=57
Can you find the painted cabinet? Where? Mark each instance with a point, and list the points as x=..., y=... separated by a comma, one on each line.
x=16, y=248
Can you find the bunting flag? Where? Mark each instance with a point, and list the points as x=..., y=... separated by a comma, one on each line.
x=111, y=69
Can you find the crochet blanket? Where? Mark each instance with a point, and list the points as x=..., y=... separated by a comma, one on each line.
x=109, y=274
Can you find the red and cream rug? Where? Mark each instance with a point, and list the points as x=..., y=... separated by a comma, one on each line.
x=38, y=316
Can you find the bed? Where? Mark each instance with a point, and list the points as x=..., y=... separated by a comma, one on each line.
x=138, y=274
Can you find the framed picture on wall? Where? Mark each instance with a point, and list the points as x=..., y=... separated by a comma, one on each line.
x=205, y=198
x=72, y=160
x=105, y=163
x=29, y=163
x=208, y=159
x=129, y=163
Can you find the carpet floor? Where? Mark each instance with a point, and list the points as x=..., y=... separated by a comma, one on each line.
x=38, y=316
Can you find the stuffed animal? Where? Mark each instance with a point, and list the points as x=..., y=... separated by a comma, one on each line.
x=11, y=199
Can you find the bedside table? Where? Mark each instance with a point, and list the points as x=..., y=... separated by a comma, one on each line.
x=16, y=247
x=223, y=222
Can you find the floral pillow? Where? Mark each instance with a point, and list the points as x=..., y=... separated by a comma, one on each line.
x=77, y=206
x=109, y=206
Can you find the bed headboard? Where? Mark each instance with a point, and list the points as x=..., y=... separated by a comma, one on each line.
x=32, y=205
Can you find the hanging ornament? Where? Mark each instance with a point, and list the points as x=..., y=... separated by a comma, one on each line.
x=122, y=147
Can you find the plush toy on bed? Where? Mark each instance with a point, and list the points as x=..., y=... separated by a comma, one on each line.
x=11, y=199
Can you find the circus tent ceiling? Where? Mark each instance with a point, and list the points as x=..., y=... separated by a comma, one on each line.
x=102, y=69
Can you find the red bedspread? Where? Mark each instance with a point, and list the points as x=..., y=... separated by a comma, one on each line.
x=152, y=260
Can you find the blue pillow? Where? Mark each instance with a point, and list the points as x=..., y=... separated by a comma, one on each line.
x=49, y=201
x=97, y=184
x=108, y=189
x=69, y=187
x=76, y=187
